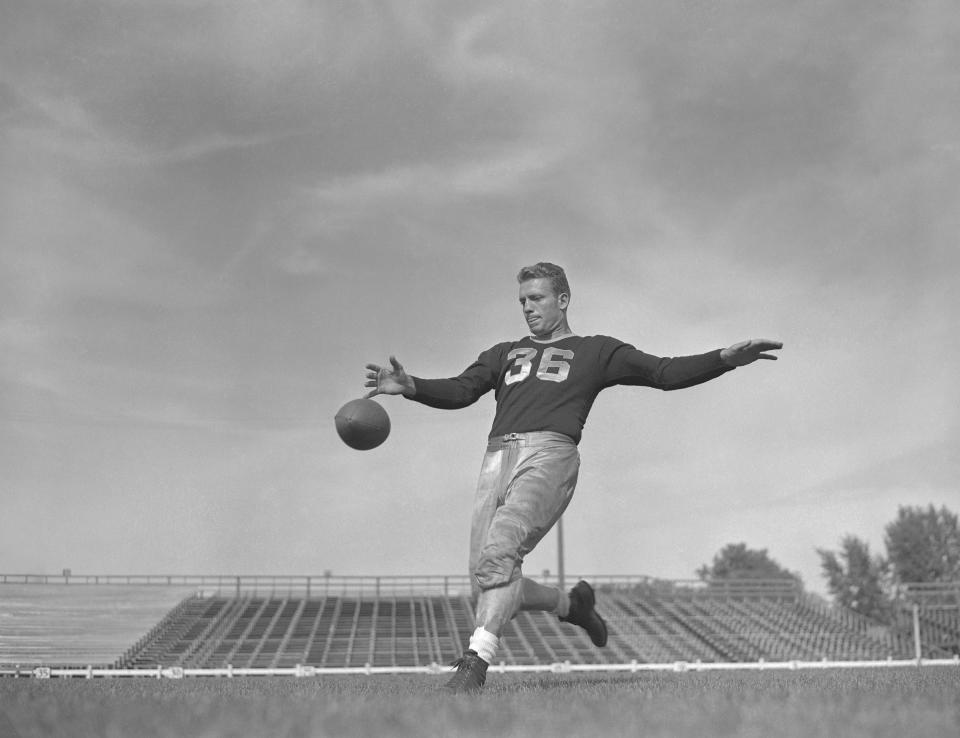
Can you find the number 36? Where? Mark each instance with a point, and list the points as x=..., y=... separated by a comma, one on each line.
x=554, y=365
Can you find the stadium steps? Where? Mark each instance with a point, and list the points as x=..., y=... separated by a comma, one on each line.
x=562, y=639
x=571, y=643
x=192, y=638
x=619, y=648
x=341, y=634
x=507, y=653
x=403, y=649
x=637, y=631
x=391, y=630
x=524, y=640
x=407, y=643
x=429, y=630
x=365, y=645
x=941, y=627
x=173, y=634
x=797, y=632
x=420, y=633
x=250, y=639
x=327, y=620
x=830, y=636
x=761, y=634
x=222, y=654
x=448, y=635
x=203, y=653
x=364, y=637
x=383, y=651
x=449, y=632
x=806, y=630
x=464, y=622
x=428, y=633
x=224, y=651
x=714, y=634
x=774, y=634
x=766, y=626
x=625, y=634
x=262, y=631
x=304, y=625
x=269, y=648
x=939, y=630
x=675, y=638
x=285, y=650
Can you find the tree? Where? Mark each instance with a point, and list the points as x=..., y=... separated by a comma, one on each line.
x=923, y=545
x=856, y=579
x=736, y=561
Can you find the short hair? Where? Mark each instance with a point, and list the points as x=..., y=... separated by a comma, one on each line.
x=546, y=270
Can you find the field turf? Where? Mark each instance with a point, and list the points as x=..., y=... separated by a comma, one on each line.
x=874, y=703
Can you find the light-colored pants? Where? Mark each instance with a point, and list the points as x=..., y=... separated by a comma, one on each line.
x=526, y=482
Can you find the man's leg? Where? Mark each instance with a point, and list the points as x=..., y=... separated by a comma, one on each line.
x=540, y=486
x=539, y=490
x=534, y=596
x=495, y=607
x=521, y=494
x=472, y=666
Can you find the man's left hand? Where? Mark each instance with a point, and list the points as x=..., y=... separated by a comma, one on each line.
x=747, y=352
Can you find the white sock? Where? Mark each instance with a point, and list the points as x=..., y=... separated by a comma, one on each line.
x=485, y=644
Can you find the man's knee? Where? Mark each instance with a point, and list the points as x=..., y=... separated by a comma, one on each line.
x=495, y=570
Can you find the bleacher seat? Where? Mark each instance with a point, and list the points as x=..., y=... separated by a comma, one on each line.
x=652, y=624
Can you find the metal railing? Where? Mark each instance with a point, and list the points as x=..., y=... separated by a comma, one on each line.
x=260, y=584
x=440, y=584
x=301, y=670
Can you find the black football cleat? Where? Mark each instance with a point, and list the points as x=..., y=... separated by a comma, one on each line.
x=582, y=613
x=470, y=676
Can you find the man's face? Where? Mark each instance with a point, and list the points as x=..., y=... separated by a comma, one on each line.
x=542, y=309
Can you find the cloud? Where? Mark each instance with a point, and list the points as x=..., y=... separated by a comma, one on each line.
x=62, y=125
x=508, y=172
x=302, y=262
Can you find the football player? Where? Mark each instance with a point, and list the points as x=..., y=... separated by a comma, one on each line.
x=545, y=384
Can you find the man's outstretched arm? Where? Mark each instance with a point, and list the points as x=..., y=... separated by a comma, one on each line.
x=634, y=367
x=747, y=352
x=446, y=394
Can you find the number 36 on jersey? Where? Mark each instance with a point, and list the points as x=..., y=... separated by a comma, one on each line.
x=554, y=364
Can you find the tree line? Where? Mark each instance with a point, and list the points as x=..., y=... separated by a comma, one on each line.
x=922, y=546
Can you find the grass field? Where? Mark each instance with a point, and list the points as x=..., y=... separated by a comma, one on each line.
x=879, y=703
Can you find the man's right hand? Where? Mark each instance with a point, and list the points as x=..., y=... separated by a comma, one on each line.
x=392, y=380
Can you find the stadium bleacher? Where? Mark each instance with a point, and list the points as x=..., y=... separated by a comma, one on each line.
x=938, y=616
x=83, y=624
x=400, y=623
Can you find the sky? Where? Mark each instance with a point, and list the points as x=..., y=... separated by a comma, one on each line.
x=214, y=214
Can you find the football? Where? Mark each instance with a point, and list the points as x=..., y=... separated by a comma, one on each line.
x=363, y=424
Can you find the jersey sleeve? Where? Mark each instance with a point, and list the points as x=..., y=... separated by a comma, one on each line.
x=630, y=366
x=463, y=390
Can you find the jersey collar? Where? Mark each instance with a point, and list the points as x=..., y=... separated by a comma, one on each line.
x=552, y=340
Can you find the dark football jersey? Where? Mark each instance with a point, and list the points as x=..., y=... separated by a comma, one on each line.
x=551, y=386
